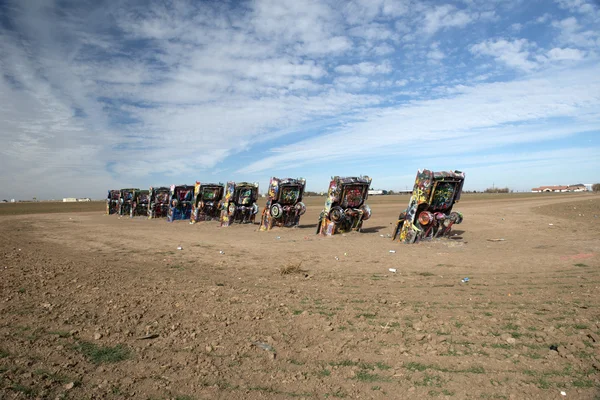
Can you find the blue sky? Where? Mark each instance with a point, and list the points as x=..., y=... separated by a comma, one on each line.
x=96, y=95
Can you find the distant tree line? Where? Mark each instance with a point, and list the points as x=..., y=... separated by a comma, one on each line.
x=497, y=190
x=596, y=187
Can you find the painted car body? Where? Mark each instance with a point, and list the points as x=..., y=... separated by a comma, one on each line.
x=180, y=202
x=429, y=213
x=112, y=201
x=207, y=201
x=239, y=203
x=126, y=198
x=158, y=206
x=284, y=203
x=345, y=207
x=141, y=199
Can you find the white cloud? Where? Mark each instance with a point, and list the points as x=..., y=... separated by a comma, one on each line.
x=445, y=16
x=122, y=94
x=542, y=19
x=365, y=68
x=515, y=54
x=580, y=6
x=480, y=117
x=565, y=54
x=435, y=54
x=572, y=33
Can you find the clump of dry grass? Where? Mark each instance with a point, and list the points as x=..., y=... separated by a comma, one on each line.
x=291, y=268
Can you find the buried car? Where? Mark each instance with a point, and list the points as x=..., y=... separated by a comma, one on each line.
x=158, y=207
x=112, y=201
x=284, y=203
x=207, y=201
x=239, y=203
x=126, y=197
x=141, y=199
x=345, y=208
x=429, y=213
x=180, y=202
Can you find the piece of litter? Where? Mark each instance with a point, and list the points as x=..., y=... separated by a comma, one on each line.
x=495, y=240
x=179, y=248
x=392, y=270
x=337, y=258
x=221, y=252
x=345, y=254
x=465, y=280
x=266, y=347
x=392, y=251
x=278, y=237
x=562, y=393
x=382, y=235
x=550, y=224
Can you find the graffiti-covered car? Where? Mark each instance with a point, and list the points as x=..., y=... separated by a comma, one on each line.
x=158, y=207
x=112, y=201
x=345, y=207
x=239, y=203
x=284, y=203
x=207, y=201
x=429, y=213
x=141, y=200
x=126, y=197
x=180, y=202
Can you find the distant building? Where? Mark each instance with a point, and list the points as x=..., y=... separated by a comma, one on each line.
x=13, y=201
x=69, y=200
x=375, y=192
x=557, y=188
x=579, y=187
x=84, y=199
x=588, y=186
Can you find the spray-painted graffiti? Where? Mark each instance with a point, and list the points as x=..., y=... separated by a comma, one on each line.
x=284, y=203
x=429, y=213
x=180, y=202
x=158, y=206
x=112, y=202
x=126, y=199
x=141, y=199
x=207, y=201
x=239, y=203
x=345, y=208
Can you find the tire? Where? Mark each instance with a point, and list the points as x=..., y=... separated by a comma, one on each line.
x=366, y=212
x=300, y=208
x=336, y=214
x=456, y=217
x=425, y=218
x=276, y=211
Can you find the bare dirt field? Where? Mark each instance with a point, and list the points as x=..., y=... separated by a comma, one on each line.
x=102, y=307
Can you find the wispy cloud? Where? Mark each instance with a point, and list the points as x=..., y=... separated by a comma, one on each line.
x=98, y=94
x=513, y=53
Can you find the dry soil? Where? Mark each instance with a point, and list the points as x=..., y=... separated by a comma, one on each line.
x=96, y=306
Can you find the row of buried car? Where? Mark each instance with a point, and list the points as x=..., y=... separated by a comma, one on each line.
x=429, y=213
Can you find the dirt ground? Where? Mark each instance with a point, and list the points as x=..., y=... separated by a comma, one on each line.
x=101, y=307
